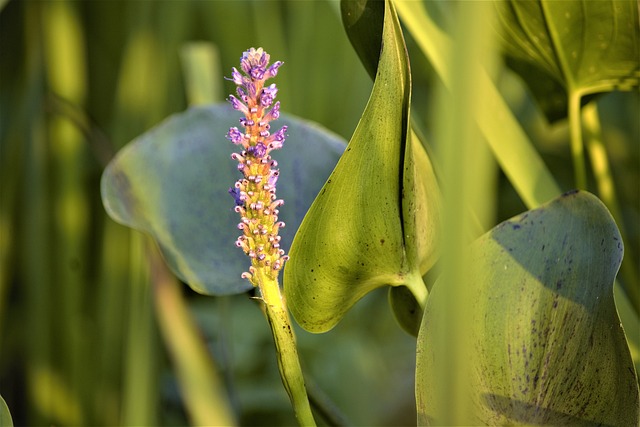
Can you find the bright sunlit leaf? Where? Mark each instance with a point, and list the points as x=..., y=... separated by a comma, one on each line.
x=374, y=222
x=364, y=229
x=173, y=182
x=547, y=344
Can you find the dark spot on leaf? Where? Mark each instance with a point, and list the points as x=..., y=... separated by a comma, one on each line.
x=569, y=193
x=515, y=226
x=382, y=241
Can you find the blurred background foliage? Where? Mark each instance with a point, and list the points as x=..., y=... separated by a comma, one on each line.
x=81, y=341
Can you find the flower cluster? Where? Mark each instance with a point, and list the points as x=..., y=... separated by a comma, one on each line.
x=255, y=192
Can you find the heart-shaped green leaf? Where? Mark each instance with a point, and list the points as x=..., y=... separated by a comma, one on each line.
x=573, y=46
x=172, y=182
x=373, y=223
x=547, y=346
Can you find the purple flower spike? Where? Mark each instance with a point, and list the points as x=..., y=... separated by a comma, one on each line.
x=255, y=192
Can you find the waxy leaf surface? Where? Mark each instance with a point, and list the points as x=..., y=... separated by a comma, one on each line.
x=369, y=225
x=547, y=346
x=559, y=47
x=173, y=182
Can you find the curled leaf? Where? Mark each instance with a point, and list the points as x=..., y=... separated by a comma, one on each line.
x=373, y=222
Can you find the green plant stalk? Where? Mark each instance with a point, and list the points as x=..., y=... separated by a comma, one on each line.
x=464, y=177
x=200, y=63
x=606, y=190
x=112, y=292
x=65, y=71
x=285, y=341
x=202, y=387
x=35, y=242
x=519, y=159
x=139, y=384
x=418, y=288
x=577, y=147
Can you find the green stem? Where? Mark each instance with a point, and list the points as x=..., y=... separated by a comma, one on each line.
x=606, y=190
x=285, y=341
x=325, y=407
x=418, y=288
x=577, y=147
x=205, y=398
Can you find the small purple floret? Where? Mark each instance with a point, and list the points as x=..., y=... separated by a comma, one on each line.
x=235, y=136
x=273, y=178
x=237, y=77
x=268, y=95
x=237, y=105
x=258, y=72
x=259, y=150
x=246, y=122
x=235, y=193
x=275, y=141
x=273, y=69
x=274, y=113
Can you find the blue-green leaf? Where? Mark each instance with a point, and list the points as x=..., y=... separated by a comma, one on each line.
x=546, y=343
x=172, y=182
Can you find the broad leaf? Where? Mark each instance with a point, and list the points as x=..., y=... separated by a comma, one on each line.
x=172, y=182
x=372, y=223
x=582, y=46
x=547, y=346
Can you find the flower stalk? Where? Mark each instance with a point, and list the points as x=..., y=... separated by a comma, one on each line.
x=256, y=203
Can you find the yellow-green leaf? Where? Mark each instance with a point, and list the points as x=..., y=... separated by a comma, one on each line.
x=562, y=47
x=374, y=221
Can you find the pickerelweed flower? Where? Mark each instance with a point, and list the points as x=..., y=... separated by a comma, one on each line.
x=255, y=192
